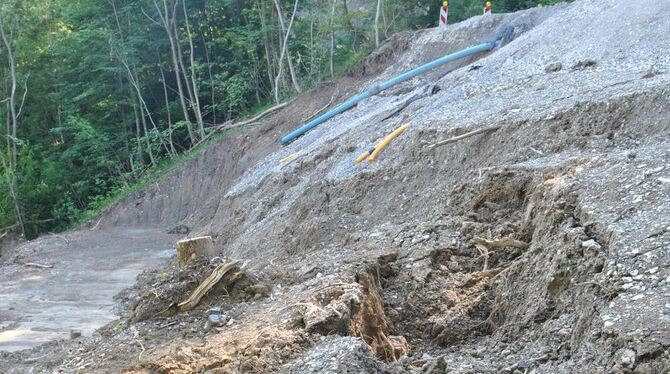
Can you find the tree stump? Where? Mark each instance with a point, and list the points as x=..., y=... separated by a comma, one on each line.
x=189, y=249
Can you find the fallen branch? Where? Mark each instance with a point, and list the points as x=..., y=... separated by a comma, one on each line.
x=290, y=157
x=228, y=126
x=168, y=324
x=205, y=286
x=96, y=225
x=258, y=117
x=483, y=250
x=322, y=109
x=657, y=232
x=6, y=228
x=499, y=243
x=464, y=136
x=139, y=358
x=60, y=237
x=428, y=91
x=36, y=265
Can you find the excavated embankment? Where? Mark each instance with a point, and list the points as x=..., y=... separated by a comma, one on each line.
x=540, y=247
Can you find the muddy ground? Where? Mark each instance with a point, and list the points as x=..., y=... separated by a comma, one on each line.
x=541, y=247
x=64, y=283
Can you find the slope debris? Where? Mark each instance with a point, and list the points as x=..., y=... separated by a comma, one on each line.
x=541, y=247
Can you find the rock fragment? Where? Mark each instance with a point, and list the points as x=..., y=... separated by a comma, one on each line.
x=553, y=68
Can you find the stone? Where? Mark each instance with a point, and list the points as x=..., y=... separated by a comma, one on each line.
x=584, y=64
x=626, y=357
x=554, y=67
x=180, y=229
x=591, y=244
x=216, y=320
x=214, y=310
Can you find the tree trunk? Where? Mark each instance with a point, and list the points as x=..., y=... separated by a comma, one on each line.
x=312, y=52
x=146, y=135
x=12, y=93
x=286, y=33
x=384, y=20
x=284, y=49
x=187, y=78
x=138, y=133
x=332, y=40
x=166, y=21
x=266, y=45
x=352, y=29
x=134, y=81
x=379, y=7
x=189, y=249
x=13, y=125
x=211, y=77
x=195, y=102
x=130, y=89
x=167, y=107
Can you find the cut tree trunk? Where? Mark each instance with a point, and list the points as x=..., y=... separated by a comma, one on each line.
x=189, y=249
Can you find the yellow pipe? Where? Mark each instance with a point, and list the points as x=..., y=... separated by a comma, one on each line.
x=384, y=143
x=362, y=157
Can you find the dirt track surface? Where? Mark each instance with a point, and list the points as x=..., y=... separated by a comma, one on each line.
x=86, y=269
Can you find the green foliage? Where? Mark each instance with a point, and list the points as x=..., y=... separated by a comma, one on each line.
x=102, y=115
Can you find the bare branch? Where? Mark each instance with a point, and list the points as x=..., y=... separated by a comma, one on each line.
x=23, y=99
x=150, y=18
x=160, y=14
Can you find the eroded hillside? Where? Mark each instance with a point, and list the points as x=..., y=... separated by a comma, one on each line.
x=539, y=247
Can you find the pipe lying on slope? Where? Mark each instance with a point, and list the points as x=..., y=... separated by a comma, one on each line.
x=503, y=37
x=371, y=155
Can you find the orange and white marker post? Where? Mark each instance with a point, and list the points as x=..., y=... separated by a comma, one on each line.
x=444, y=12
x=488, y=8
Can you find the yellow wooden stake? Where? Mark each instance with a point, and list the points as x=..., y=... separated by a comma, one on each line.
x=387, y=140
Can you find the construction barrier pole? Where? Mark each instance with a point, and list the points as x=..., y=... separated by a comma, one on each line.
x=444, y=13
x=488, y=8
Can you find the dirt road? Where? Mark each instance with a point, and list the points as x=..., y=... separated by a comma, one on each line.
x=38, y=304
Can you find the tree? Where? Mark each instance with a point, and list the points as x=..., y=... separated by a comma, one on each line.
x=14, y=112
x=284, y=50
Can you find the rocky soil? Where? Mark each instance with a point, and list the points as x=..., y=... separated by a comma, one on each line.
x=542, y=247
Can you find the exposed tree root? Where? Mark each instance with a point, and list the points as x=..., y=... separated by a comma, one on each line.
x=206, y=285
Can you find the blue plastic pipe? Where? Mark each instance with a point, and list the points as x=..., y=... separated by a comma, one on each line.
x=385, y=85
